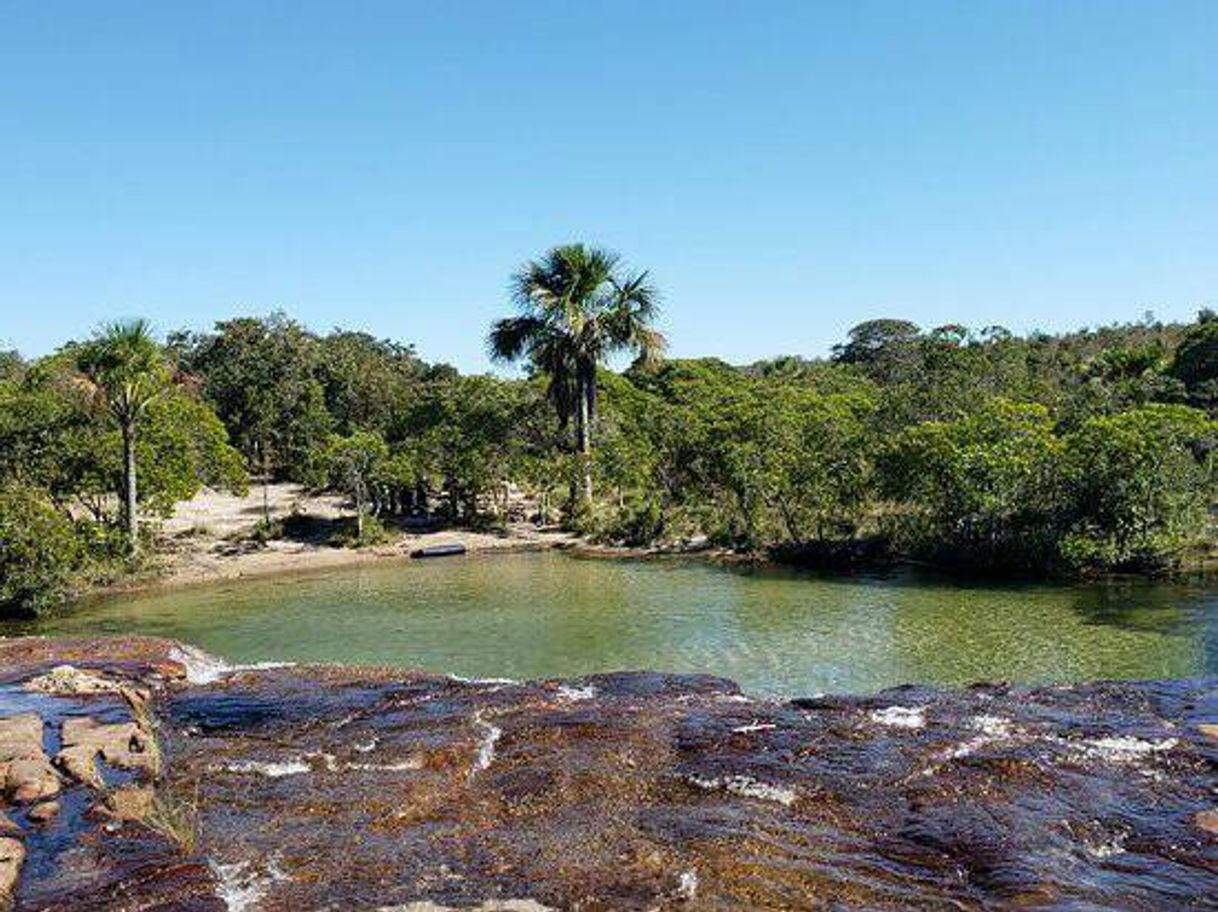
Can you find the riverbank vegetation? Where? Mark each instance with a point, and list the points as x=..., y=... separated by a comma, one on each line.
x=976, y=449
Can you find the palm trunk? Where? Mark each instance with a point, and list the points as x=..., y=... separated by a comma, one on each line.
x=587, y=416
x=130, y=509
x=585, y=447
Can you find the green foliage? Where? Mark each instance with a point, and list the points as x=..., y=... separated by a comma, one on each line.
x=353, y=464
x=979, y=449
x=184, y=448
x=1140, y=484
x=40, y=552
x=123, y=371
x=465, y=434
x=261, y=376
x=979, y=491
x=577, y=307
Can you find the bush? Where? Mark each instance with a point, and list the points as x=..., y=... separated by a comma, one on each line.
x=40, y=553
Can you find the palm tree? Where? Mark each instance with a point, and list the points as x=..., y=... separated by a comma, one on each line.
x=123, y=370
x=577, y=307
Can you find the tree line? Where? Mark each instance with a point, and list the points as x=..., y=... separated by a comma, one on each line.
x=977, y=449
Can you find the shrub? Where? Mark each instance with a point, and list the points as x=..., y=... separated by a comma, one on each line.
x=40, y=553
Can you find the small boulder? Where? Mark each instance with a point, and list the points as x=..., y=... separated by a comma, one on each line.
x=68, y=680
x=1207, y=821
x=12, y=856
x=44, y=812
x=123, y=744
x=1209, y=730
x=131, y=802
x=25, y=773
x=28, y=779
x=20, y=736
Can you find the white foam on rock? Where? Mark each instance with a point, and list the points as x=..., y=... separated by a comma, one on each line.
x=900, y=716
x=687, y=885
x=1114, y=846
x=500, y=681
x=486, y=747
x=240, y=886
x=202, y=668
x=269, y=768
x=747, y=787
x=576, y=694
x=991, y=730
x=410, y=763
x=755, y=726
x=1123, y=748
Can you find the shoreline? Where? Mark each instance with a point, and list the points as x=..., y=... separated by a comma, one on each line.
x=210, y=540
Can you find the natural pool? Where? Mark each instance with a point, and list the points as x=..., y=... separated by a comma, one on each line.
x=776, y=632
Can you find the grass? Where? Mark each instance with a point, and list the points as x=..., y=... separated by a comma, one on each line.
x=175, y=818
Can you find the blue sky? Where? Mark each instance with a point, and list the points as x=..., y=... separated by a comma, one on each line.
x=786, y=170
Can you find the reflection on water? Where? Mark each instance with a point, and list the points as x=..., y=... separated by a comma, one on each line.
x=540, y=615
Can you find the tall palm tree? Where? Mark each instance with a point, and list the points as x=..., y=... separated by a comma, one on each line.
x=123, y=370
x=577, y=306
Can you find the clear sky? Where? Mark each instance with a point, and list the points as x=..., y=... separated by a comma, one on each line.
x=786, y=170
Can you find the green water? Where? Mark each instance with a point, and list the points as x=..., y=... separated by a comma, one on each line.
x=547, y=614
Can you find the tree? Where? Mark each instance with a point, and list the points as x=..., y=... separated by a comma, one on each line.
x=1140, y=484
x=124, y=371
x=577, y=307
x=1196, y=361
x=39, y=552
x=884, y=348
x=365, y=379
x=465, y=431
x=981, y=491
x=261, y=376
x=353, y=463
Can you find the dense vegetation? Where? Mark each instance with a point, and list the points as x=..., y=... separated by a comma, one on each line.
x=1078, y=453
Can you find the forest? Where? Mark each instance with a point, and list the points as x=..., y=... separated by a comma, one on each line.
x=972, y=449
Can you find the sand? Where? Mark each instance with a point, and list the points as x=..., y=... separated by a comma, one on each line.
x=206, y=539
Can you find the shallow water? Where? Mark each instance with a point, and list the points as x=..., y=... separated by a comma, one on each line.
x=775, y=632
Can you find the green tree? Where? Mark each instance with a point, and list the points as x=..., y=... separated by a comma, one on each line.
x=577, y=307
x=123, y=371
x=365, y=380
x=885, y=349
x=1196, y=362
x=982, y=490
x=39, y=552
x=353, y=464
x=1140, y=485
x=261, y=376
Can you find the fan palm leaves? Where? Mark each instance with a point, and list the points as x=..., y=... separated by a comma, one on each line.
x=577, y=307
x=122, y=371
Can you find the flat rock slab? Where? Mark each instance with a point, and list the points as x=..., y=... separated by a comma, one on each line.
x=307, y=788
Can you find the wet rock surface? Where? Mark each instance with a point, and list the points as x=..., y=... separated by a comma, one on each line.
x=284, y=788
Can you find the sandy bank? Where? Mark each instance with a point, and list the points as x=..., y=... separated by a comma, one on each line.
x=207, y=539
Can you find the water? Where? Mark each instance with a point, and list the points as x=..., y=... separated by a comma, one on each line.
x=548, y=615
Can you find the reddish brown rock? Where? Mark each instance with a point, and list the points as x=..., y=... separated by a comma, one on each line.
x=333, y=787
x=25, y=773
x=1208, y=821
x=131, y=802
x=122, y=744
x=12, y=856
x=44, y=812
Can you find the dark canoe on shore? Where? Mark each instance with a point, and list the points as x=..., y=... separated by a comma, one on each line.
x=438, y=551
